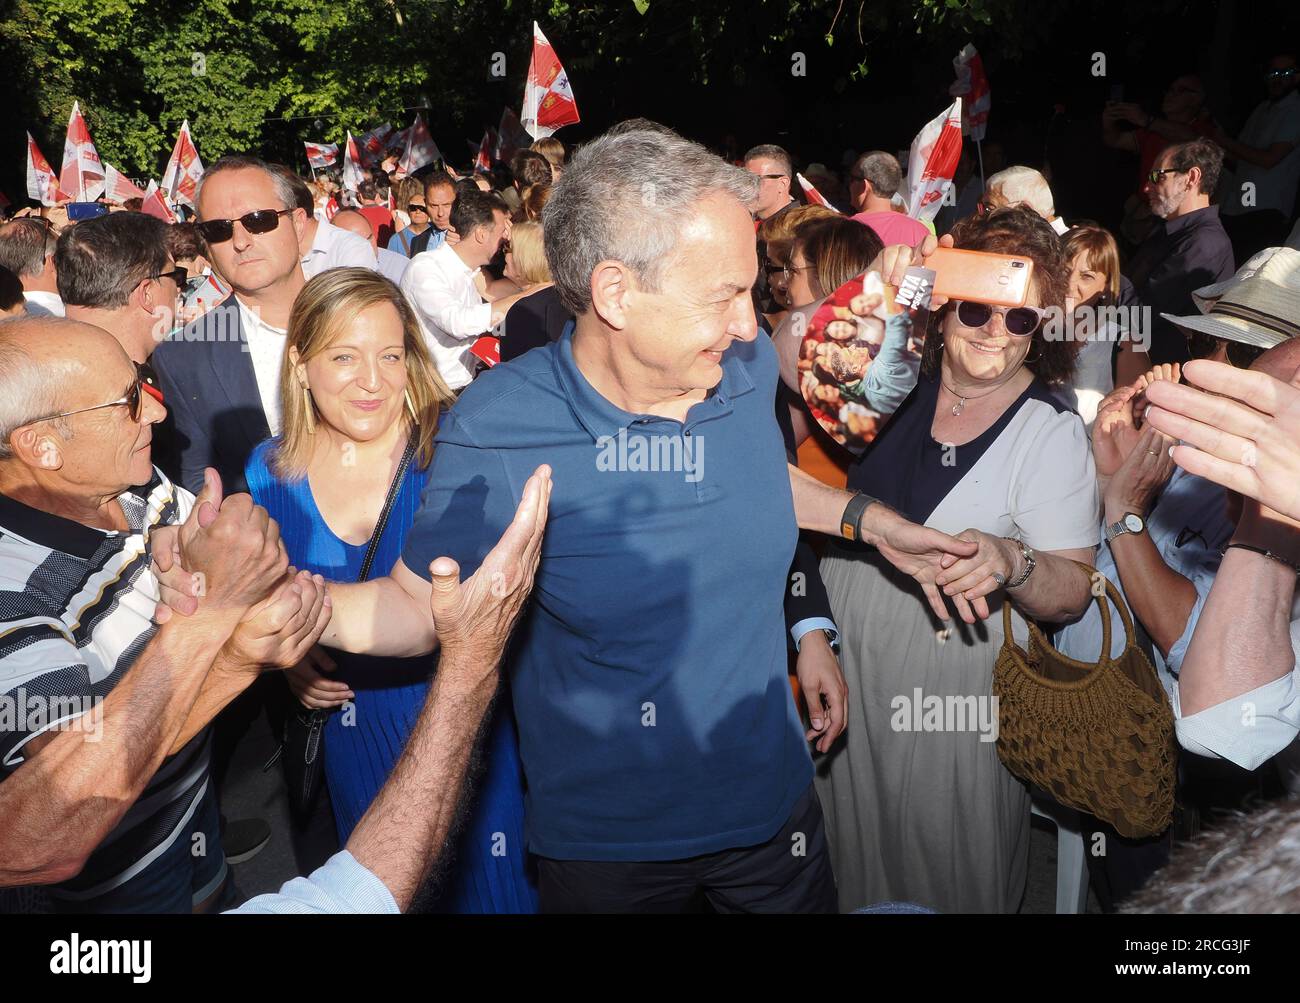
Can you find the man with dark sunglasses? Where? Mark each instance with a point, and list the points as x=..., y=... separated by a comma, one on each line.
x=221, y=374
x=115, y=272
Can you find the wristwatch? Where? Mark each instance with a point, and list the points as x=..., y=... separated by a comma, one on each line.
x=1130, y=523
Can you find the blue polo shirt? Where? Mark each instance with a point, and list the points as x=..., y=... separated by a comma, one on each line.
x=649, y=671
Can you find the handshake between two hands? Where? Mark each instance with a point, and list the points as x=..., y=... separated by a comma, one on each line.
x=225, y=568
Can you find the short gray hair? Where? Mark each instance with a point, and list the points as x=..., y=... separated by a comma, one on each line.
x=1023, y=186
x=881, y=170
x=28, y=389
x=284, y=189
x=625, y=197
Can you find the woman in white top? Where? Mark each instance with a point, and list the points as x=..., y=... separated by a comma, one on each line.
x=918, y=806
x=1094, y=290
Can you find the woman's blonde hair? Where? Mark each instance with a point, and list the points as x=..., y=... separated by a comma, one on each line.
x=528, y=252
x=325, y=309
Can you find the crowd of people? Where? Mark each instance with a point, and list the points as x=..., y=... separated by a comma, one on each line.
x=420, y=471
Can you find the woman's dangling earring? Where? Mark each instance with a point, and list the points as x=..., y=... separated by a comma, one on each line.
x=410, y=407
x=310, y=411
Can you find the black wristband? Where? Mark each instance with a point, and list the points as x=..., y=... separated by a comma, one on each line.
x=1285, y=562
x=849, y=528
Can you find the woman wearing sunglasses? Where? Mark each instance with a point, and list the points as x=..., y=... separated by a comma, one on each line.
x=412, y=213
x=919, y=809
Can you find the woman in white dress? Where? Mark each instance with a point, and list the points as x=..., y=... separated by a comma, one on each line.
x=918, y=806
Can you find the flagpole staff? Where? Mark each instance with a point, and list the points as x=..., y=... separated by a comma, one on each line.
x=979, y=152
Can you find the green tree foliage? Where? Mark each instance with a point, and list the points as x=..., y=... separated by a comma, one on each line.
x=259, y=75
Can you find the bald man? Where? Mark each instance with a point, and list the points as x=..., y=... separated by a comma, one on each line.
x=103, y=712
x=391, y=264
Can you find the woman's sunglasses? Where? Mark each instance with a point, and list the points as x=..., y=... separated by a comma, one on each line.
x=1021, y=321
x=218, y=231
x=417, y=207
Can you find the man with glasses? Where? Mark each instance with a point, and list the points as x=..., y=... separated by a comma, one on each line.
x=775, y=170
x=1188, y=251
x=115, y=272
x=104, y=746
x=221, y=373
x=1261, y=193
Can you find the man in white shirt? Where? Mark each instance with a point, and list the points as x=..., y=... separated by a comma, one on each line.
x=440, y=285
x=324, y=245
x=27, y=250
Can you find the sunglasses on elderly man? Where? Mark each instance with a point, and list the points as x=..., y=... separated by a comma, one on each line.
x=1020, y=321
x=132, y=399
x=218, y=231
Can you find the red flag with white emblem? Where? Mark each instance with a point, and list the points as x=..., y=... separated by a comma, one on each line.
x=548, y=98
x=932, y=162
x=82, y=175
x=374, y=143
x=42, y=184
x=483, y=159
x=184, y=169
x=118, y=188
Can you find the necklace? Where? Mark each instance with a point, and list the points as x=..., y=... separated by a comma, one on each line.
x=960, y=406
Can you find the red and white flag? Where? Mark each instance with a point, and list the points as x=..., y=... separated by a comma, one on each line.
x=973, y=85
x=155, y=205
x=322, y=154
x=42, y=184
x=420, y=149
x=511, y=136
x=117, y=187
x=548, y=98
x=82, y=175
x=932, y=162
x=373, y=144
x=184, y=169
x=483, y=158
x=814, y=196
x=352, y=172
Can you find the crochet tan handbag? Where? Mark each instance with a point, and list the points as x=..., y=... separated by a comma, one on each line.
x=1100, y=737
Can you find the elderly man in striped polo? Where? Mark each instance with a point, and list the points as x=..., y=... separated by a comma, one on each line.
x=103, y=711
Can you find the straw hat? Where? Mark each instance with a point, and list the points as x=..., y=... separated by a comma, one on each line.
x=1260, y=305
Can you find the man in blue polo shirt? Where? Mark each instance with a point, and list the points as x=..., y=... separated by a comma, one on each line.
x=664, y=757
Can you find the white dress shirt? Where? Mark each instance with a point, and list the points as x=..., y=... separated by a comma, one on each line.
x=452, y=314
x=392, y=265
x=335, y=247
x=43, y=304
x=266, y=346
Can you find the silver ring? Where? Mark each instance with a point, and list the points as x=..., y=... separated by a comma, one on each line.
x=1000, y=578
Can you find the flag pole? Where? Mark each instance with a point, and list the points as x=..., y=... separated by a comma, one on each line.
x=979, y=152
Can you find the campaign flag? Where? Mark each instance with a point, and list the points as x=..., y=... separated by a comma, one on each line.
x=932, y=161
x=511, y=135
x=973, y=85
x=420, y=150
x=483, y=157
x=814, y=196
x=42, y=184
x=322, y=154
x=155, y=205
x=548, y=98
x=373, y=144
x=397, y=140
x=184, y=169
x=82, y=175
x=118, y=188
x=352, y=173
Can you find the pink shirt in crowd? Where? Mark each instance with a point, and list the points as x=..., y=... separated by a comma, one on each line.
x=894, y=227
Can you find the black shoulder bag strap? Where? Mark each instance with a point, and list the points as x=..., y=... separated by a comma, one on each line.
x=304, y=728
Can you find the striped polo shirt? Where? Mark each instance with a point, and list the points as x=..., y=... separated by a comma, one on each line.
x=76, y=610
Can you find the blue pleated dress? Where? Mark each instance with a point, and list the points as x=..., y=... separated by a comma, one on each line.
x=490, y=872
